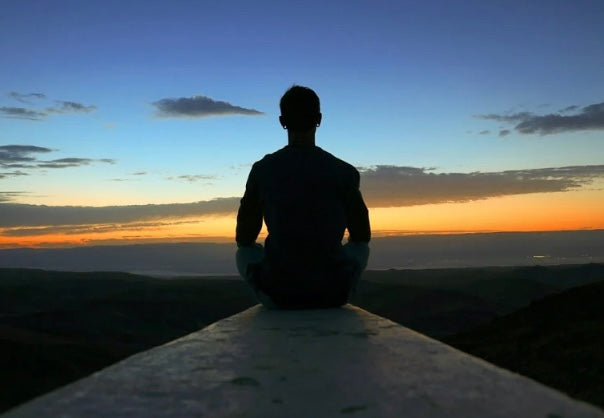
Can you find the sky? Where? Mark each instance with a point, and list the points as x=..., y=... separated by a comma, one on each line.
x=138, y=121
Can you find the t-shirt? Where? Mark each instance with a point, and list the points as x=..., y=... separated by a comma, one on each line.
x=307, y=198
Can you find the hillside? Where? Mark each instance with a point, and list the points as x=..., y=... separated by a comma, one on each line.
x=558, y=341
x=441, y=302
x=56, y=327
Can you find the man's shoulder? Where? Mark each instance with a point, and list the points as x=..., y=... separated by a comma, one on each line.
x=270, y=157
x=287, y=153
x=338, y=161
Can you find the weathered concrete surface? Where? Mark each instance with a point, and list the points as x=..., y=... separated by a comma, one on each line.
x=319, y=363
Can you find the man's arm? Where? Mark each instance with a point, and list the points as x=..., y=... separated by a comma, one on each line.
x=249, y=217
x=357, y=214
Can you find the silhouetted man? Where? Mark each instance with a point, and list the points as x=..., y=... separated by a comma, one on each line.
x=307, y=198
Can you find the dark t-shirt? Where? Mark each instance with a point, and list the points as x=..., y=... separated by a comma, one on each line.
x=307, y=198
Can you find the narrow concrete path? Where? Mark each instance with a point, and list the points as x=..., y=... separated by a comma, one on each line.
x=342, y=362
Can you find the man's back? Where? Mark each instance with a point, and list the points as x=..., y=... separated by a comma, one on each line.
x=308, y=198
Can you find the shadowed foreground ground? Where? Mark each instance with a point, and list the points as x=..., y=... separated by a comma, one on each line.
x=56, y=327
x=300, y=363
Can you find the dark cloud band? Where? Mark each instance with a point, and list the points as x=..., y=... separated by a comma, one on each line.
x=391, y=186
x=382, y=186
x=12, y=214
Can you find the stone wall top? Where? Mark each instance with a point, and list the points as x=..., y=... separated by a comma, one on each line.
x=315, y=363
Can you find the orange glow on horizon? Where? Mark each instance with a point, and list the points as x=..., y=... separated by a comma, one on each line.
x=521, y=213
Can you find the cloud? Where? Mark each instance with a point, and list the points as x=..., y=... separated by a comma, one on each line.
x=88, y=228
x=70, y=107
x=485, y=132
x=71, y=162
x=19, y=153
x=391, y=186
x=193, y=177
x=15, y=166
x=24, y=98
x=12, y=174
x=22, y=156
x=64, y=107
x=571, y=108
x=9, y=196
x=504, y=132
x=21, y=113
x=199, y=107
x=139, y=173
x=514, y=117
x=382, y=186
x=589, y=117
x=13, y=215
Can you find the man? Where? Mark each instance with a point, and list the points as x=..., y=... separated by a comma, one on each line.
x=307, y=198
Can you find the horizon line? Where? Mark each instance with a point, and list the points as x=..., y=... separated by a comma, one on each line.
x=376, y=234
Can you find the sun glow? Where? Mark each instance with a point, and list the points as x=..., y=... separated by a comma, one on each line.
x=531, y=212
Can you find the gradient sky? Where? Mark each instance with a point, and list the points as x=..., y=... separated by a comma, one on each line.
x=139, y=121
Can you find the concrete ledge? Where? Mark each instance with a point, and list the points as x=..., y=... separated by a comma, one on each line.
x=318, y=363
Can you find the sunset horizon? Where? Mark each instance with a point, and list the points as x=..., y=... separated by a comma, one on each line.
x=124, y=124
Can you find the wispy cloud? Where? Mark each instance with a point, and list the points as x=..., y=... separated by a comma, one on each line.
x=571, y=108
x=589, y=117
x=512, y=117
x=13, y=214
x=24, y=157
x=193, y=177
x=72, y=162
x=70, y=107
x=19, y=153
x=89, y=228
x=391, y=186
x=26, y=97
x=61, y=107
x=199, y=107
x=12, y=174
x=9, y=196
x=21, y=113
x=382, y=186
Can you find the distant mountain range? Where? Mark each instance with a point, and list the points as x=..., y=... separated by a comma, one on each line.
x=401, y=252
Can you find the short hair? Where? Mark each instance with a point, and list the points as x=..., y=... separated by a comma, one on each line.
x=300, y=107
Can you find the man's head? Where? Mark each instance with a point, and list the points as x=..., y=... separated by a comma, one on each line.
x=300, y=109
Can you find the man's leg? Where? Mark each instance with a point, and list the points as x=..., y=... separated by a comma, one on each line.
x=252, y=254
x=246, y=256
x=358, y=253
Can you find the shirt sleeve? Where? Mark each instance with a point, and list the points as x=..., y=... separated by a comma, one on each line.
x=249, y=216
x=357, y=214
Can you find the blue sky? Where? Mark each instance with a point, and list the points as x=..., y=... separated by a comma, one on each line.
x=401, y=83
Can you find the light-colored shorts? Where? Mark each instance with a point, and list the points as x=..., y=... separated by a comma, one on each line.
x=357, y=252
